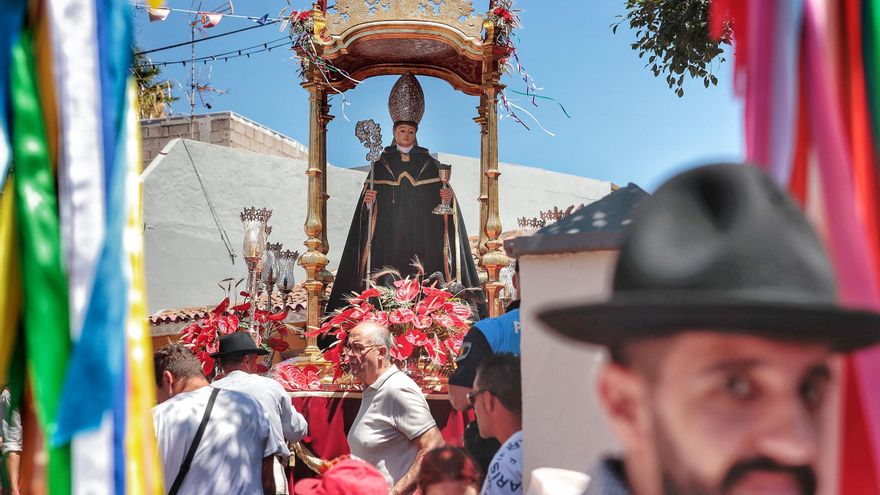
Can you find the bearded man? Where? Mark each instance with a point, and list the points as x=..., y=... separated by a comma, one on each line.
x=723, y=328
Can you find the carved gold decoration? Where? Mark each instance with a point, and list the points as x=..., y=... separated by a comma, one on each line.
x=493, y=260
x=314, y=260
x=456, y=14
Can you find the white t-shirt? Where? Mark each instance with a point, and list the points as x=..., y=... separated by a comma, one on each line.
x=10, y=430
x=505, y=471
x=230, y=455
x=287, y=424
x=393, y=413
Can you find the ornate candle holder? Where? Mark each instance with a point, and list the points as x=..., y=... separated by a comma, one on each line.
x=270, y=270
x=255, y=232
x=444, y=208
x=285, y=281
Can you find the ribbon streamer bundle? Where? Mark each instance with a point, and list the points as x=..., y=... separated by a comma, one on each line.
x=809, y=75
x=72, y=309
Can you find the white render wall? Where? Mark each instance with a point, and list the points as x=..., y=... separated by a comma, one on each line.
x=563, y=424
x=523, y=191
x=185, y=257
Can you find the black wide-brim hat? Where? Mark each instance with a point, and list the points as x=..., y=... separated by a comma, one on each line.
x=720, y=248
x=236, y=344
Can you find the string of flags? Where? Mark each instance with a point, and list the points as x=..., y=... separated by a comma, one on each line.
x=284, y=41
x=206, y=19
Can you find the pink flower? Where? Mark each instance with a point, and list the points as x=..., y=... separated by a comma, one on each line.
x=361, y=311
x=402, y=349
x=422, y=322
x=446, y=321
x=401, y=316
x=379, y=317
x=407, y=289
x=207, y=362
x=436, y=351
x=431, y=304
x=453, y=343
x=462, y=311
x=356, y=299
x=416, y=338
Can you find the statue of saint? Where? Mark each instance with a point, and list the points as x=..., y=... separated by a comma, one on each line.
x=403, y=188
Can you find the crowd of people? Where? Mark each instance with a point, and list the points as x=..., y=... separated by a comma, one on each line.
x=722, y=331
x=232, y=435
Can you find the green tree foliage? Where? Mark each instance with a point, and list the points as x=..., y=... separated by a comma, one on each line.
x=674, y=36
x=154, y=96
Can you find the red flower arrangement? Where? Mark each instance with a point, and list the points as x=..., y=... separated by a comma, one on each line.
x=203, y=336
x=293, y=377
x=504, y=17
x=428, y=324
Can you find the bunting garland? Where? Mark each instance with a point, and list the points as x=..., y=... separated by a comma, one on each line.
x=72, y=309
x=807, y=71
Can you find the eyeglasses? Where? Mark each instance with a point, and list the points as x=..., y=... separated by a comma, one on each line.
x=472, y=396
x=357, y=348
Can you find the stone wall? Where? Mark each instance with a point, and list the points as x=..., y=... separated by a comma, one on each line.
x=224, y=129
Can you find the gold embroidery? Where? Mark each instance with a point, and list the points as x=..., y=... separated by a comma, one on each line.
x=404, y=157
x=411, y=180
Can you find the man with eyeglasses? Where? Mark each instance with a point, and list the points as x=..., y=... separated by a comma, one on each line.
x=497, y=402
x=394, y=427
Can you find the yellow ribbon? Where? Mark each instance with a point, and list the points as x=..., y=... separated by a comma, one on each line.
x=144, y=474
x=10, y=278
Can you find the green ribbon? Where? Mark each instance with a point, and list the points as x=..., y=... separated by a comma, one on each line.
x=871, y=57
x=533, y=95
x=46, y=319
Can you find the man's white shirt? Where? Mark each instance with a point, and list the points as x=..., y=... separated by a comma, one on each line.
x=286, y=423
x=230, y=455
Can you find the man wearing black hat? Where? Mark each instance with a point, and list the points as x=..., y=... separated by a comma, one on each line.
x=722, y=329
x=239, y=359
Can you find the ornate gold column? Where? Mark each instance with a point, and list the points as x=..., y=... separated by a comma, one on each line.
x=326, y=277
x=314, y=260
x=481, y=120
x=494, y=260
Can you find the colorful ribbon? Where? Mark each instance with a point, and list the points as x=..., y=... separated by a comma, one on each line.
x=47, y=335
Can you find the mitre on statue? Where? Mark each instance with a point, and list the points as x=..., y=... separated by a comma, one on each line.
x=406, y=103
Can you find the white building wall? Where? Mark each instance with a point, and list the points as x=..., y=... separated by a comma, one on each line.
x=563, y=425
x=523, y=191
x=185, y=257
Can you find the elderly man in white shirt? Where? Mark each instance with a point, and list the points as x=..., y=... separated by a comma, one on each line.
x=394, y=427
x=240, y=358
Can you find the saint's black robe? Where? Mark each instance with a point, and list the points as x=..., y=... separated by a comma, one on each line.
x=404, y=227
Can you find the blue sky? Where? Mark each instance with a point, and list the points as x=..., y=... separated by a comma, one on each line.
x=626, y=125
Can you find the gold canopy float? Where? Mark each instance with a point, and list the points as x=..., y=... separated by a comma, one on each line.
x=366, y=38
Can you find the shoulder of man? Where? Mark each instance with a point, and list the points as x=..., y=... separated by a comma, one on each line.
x=502, y=332
x=504, y=475
x=474, y=348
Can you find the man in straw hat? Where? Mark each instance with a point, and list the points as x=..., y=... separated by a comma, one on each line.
x=722, y=328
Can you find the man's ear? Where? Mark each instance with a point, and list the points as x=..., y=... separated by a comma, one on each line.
x=384, y=353
x=622, y=392
x=167, y=379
